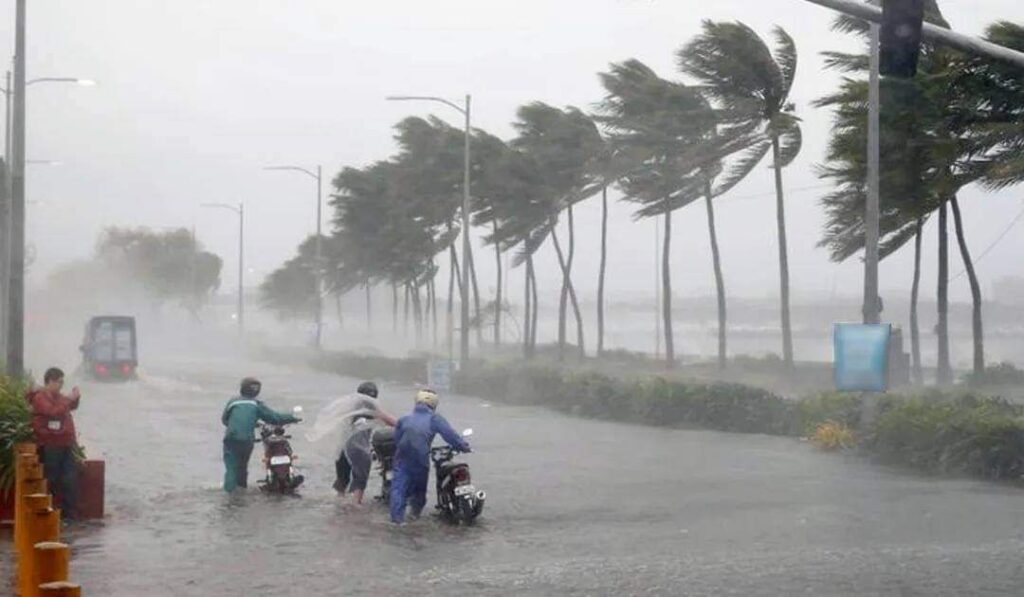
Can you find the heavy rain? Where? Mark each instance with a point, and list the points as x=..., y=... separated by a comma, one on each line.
x=512, y=298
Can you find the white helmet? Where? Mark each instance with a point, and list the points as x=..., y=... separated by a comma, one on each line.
x=428, y=397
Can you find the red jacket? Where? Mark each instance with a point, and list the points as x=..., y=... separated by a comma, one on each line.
x=51, y=418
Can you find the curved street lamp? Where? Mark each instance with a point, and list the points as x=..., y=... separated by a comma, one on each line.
x=319, y=256
x=12, y=219
x=240, y=210
x=464, y=294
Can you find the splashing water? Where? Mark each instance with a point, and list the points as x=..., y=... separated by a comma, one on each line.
x=336, y=420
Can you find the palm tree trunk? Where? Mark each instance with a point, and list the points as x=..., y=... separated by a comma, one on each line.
x=977, y=330
x=563, y=299
x=476, y=299
x=915, y=331
x=339, y=310
x=569, y=291
x=536, y=307
x=433, y=303
x=601, y=272
x=572, y=289
x=944, y=373
x=405, y=312
x=369, y=312
x=394, y=308
x=417, y=312
x=497, y=294
x=453, y=276
x=666, y=290
x=787, y=332
x=719, y=280
x=526, y=312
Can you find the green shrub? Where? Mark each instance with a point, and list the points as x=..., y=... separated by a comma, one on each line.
x=15, y=427
x=964, y=434
x=1002, y=374
x=931, y=430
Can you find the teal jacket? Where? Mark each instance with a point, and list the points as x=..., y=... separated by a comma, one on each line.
x=240, y=416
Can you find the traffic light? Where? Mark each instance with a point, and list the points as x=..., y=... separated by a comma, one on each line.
x=901, y=37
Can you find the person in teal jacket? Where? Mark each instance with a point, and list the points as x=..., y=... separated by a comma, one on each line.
x=240, y=417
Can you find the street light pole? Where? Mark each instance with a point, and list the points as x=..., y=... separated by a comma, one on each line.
x=16, y=301
x=319, y=266
x=464, y=290
x=12, y=211
x=240, y=211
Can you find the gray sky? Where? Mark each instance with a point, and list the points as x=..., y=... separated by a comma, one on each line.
x=195, y=97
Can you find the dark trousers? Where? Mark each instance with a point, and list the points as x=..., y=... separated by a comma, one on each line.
x=61, y=472
x=236, y=463
x=342, y=472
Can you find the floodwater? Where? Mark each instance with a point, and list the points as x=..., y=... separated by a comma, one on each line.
x=574, y=507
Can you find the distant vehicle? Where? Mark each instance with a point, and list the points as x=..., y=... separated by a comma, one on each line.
x=109, y=348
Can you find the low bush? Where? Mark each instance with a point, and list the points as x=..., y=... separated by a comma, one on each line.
x=981, y=436
x=932, y=431
x=15, y=427
x=1002, y=374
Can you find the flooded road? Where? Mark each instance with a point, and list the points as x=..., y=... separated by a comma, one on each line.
x=574, y=507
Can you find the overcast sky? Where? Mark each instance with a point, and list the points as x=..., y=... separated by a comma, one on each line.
x=195, y=97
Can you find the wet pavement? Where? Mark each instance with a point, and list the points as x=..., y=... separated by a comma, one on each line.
x=574, y=507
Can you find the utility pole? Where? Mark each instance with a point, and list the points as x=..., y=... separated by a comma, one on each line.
x=5, y=217
x=16, y=299
x=872, y=312
x=319, y=258
x=965, y=43
x=939, y=35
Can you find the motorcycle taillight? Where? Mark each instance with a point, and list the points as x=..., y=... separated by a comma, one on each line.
x=461, y=475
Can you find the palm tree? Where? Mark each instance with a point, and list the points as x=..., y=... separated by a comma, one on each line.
x=517, y=203
x=751, y=86
x=650, y=120
x=935, y=141
x=563, y=143
x=656, y=129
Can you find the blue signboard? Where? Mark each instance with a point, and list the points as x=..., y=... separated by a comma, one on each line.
x=439, y=376
x=862, y=356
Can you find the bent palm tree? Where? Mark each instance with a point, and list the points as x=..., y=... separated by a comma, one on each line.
x=751, y=86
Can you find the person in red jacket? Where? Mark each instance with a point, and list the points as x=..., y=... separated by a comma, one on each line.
x=55, y=433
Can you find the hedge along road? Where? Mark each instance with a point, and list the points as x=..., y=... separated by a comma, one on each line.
x=574, y=507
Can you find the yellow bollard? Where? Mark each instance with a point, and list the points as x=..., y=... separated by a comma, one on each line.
x=28, y=487
x=51, y=562
x=24, y=459
x=60, y=589
x=43, y=525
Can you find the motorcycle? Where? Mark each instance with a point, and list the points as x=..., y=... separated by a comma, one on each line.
x=279, y=460
x=458, y=500
x=382, y=442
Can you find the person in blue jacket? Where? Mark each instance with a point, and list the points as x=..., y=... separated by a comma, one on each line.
x=239, y=417
x=413, y=436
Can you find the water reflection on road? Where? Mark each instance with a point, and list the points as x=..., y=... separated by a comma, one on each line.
x=574, y=507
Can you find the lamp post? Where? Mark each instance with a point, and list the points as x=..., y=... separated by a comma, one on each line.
x=12, y=209
x=464, y=294
x=318, y=267
x=240, y=210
